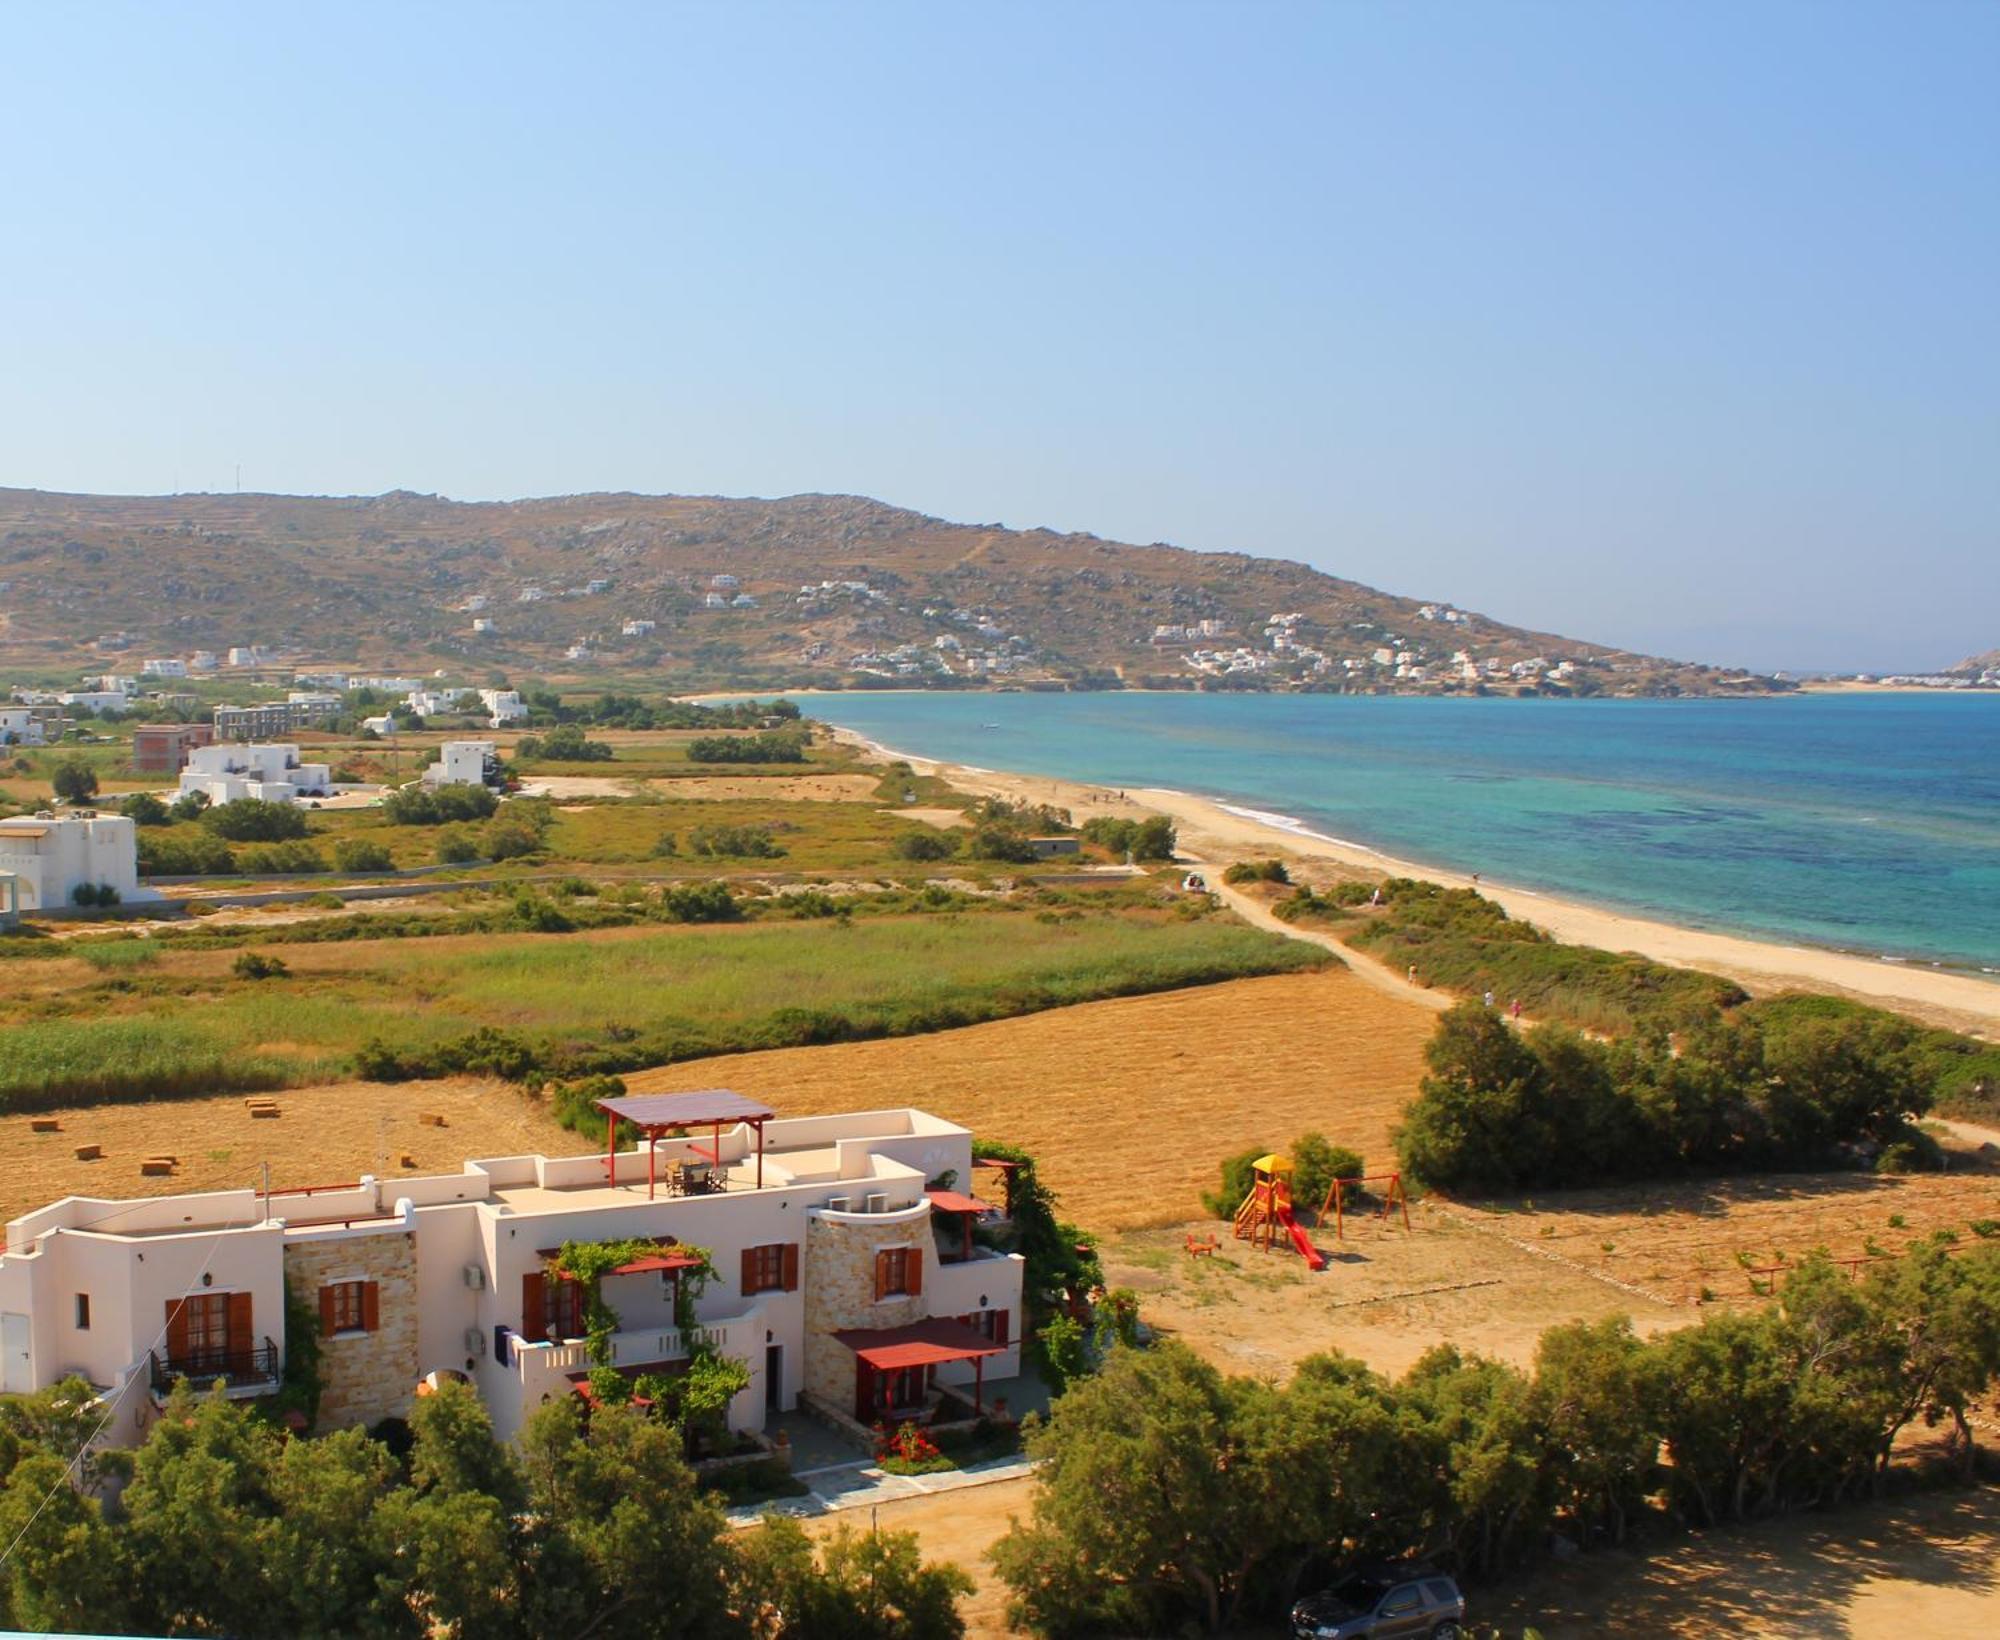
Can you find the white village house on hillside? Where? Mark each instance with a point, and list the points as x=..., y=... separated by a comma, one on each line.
x=465, y=763
x=845, y=1274
x=273, y=773
x=50, y=856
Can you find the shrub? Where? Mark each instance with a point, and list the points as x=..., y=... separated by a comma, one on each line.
x=75, y=781
x=788, y=746
x=144, y=809
x=188, y=806
x=997, y=841
x=707, y=902
x=438, y=805
x=361, y=854
x=1257, y=871
x=255, y=965
x=282, y=859
x=1237, y=1178
x=510, y=839
x=666, y=846
x=1150, y=839
x=926, y=844
x=184, y=851
x=94, y=894
x=565, y=744
x=455, y=846
x=252, y=820
x=1316, y=1164
x=734, y=842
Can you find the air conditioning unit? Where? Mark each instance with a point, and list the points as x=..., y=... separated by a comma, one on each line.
x=836, y=1204
x=475, y=1341
x=876, y=1203
x=475, y=1277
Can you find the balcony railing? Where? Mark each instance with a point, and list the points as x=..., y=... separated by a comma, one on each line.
x=252, y=1367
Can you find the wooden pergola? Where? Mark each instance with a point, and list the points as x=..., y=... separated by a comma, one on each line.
x=656, y=1115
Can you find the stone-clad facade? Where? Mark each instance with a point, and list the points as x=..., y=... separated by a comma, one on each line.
x=365, y=1376
x=840, y=1292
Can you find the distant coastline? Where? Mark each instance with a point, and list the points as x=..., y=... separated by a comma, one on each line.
x=1219, y=829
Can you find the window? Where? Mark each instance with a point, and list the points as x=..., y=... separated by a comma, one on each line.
x=83, y=1312
x=208, y=1325
x=1404, y=1600
x=772, y=1269
x=348, y=1307
x=898, y=1271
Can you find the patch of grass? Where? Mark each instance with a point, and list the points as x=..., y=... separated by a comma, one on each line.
x=117, y=956
x=1462, y=941
x=610, y=1001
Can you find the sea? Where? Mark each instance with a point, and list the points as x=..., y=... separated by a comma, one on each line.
x=1867, y=823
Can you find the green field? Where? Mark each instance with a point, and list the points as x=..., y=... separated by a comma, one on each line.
x=616, y=999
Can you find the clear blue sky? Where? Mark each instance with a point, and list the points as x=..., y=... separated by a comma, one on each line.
x=1672, y=325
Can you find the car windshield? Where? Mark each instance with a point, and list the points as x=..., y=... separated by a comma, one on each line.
x=1364, y=1594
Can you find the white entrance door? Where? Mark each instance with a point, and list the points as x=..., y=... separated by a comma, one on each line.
x=17, y=1355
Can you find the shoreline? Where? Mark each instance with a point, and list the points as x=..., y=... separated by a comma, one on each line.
x=1215, y=832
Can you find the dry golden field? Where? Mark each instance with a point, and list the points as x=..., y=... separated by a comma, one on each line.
x=325, y=1135
x=1128, y=1105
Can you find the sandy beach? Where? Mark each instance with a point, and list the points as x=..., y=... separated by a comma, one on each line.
x=1217, y=833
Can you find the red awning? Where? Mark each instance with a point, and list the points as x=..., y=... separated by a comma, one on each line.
x=659, y=1111
x=657, y=1261
x=950, y=1201
x=921, y=1344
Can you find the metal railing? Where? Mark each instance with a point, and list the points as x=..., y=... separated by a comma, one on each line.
x=253, y=1366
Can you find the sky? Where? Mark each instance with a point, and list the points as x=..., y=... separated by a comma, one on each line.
x=1674, y=326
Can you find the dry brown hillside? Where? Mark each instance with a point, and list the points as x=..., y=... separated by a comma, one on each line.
x=399, y=579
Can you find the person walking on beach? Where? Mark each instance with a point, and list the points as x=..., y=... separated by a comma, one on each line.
x=1489, y=999
x=1413, y=973
x=1515, y=1009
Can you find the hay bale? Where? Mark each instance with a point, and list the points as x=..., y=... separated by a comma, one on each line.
x=407, y=1160
x=44, y=1124
x=89, y=1153
x=258, y=1111
x=431, y=1118
x=154, y=1167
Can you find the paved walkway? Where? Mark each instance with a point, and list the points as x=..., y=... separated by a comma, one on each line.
x=859, y=1484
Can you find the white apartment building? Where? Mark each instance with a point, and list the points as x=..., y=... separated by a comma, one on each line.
x=271, y=772
x=23, y=726
x=95, y=700
x=166, y=668
x=637, y=629
x=845, y=1274
x=465, y=763
x=50, y=856
x=503, y=706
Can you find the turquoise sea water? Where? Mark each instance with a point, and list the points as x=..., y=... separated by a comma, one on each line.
x=1870, y=823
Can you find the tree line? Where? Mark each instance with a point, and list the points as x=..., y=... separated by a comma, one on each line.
x=593, y=1523
x=1548, y=1108
x=1173, y=1499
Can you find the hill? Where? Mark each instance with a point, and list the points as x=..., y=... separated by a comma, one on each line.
x=703, y=591
x=1975, y=665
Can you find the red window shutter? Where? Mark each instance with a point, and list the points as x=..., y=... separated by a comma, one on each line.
x=1000, y=1326
x=913, y=1270
x=177, y=1329
x=882, y=1274
x=534, y=1313
x=241, y=1323
x=326, y=1312
x=749, y=1270
x=791, y=1267
x=371, y=1305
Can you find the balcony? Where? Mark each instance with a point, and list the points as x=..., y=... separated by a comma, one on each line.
x=251, y=1370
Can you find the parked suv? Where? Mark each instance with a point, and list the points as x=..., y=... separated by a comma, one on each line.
x=1388, y=1603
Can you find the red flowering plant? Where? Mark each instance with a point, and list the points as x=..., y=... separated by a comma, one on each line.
x=904, y=1449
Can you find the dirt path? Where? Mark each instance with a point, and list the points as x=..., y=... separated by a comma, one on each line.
x=1378, y=974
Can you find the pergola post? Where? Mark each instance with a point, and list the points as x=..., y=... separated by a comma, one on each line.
x=611, y=1147
x=979, y=1384
x=652, y=1160
x=760, y=1153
